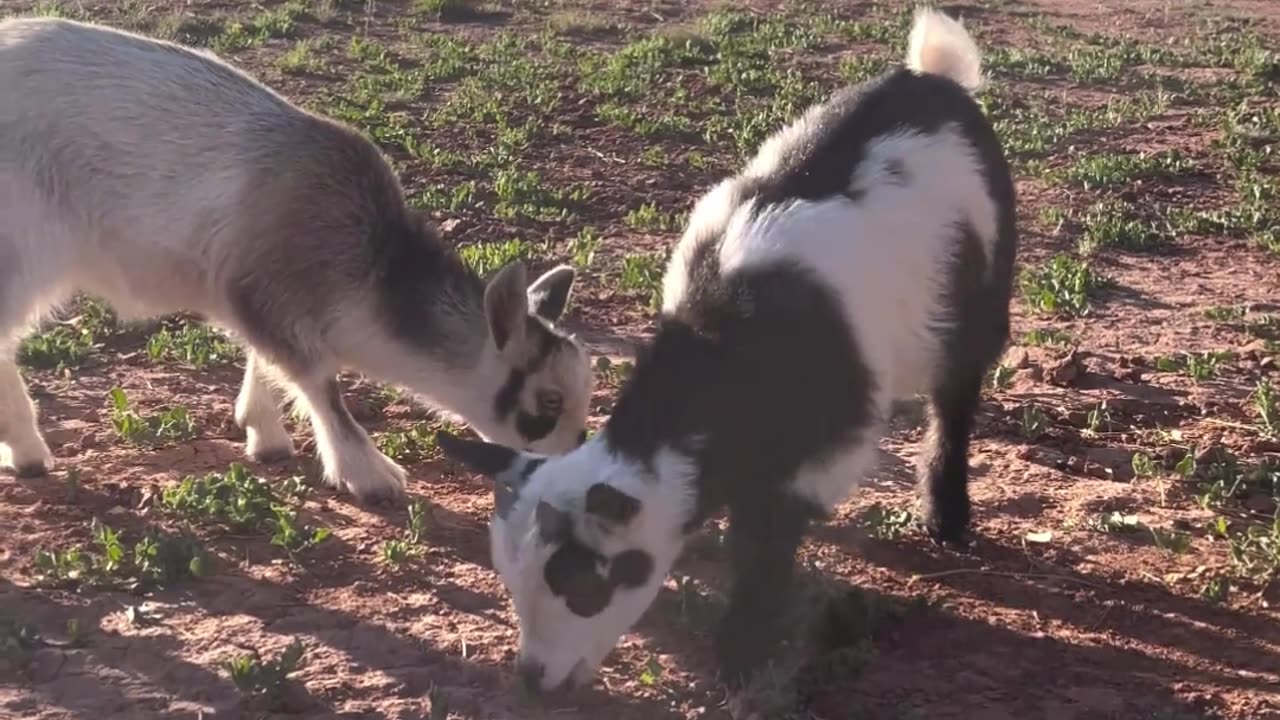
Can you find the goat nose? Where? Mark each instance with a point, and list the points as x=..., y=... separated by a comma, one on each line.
x=531, y=673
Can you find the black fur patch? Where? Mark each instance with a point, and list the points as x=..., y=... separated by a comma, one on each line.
x=573, y=573
x=610, y=503
x=532, y=426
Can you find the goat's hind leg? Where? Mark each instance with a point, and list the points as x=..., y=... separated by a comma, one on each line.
x=943, y=463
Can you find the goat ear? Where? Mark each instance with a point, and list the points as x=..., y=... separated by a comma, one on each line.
x=611, y=504
x=554, y=524
x=549, y=294
x=479, y=456
x=506, y=306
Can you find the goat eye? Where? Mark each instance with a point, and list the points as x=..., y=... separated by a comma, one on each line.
x=549, y=402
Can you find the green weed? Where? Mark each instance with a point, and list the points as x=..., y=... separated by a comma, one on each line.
x=1102, y=170
x=158, y=560
x=1110, y=225
x=1267, y=405
x=235, y=498
x=886, y=523
x=172, y=425
x=59, y=348
x=254, y=676
x=416, y=444
x=486, y=258
x=1062, y=286
x=1047, y=337
x=292, y=535
x=643, y=273
x=1033, y=422
x=583, y=246
x=648, y=218
x=196, y=345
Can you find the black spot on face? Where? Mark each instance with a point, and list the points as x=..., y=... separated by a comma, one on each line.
x=535, y=427
x=631, y=569
x=508, y=397
x=897, y=171
x=573, y=573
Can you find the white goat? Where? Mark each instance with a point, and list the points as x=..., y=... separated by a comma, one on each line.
x=161, y=179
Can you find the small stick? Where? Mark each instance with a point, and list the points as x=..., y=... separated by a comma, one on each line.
x=999, y=573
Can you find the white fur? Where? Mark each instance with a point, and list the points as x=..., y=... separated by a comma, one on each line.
x=940, y=45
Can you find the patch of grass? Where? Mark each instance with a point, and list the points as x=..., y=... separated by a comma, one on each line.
x=1267, y=404
x=257, y=677
x=1112, y=225
x=1033, y=422
x=276, y=22
x=235, y=498
x=158, y=560
x=416, y=444
x=395, y=552
x=522, y=194
x=196, y=345
x=1255, y=547
x=648, y=218
x=1047, y=337
x=583, y=246
x=1225, y=314
x=1102, y=170
x=58, y=348
x=447, y=9
x=168, y=426
x=999, y=377
x=1115, y=522
x=292, y=535
x=487, y=258
x=1200, y=366
x=643, y=274
x=887, y=523
x=1062, y=286
x=301, y=58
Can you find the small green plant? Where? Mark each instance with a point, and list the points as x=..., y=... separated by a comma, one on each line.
x=196, y=345
x=1097, y=419
x=1115, y=522
x=439, y=703
x=419, y=517
x=1000, y=377
x=486, y=258
x=1047, y=337
x=1267, y=404
x=650, y=673
x=1063, y=285
x=158, y=559
x=1200, y=366
x=71, y=486
x=300, y=58
x=1255, y=549
x=1034, y=422
x=1143, y=465
x=254, y=676
x=1225, y=314
x=887, y=523
x=59, y=348
x=235, y=498
x=396, y=552
x=583, y=246
x=292, y=535
x=1111, y=225
x=413, y=445
x=643, y=273
x=648, y=218
x=171, y=425
x=1216, y=590
x=1171, y=541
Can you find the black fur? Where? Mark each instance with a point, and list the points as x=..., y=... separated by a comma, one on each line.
x=573, y=572
x=611, y=504
x=762, y=364
x=532, y=426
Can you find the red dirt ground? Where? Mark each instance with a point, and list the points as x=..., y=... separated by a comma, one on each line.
x=1086, y=625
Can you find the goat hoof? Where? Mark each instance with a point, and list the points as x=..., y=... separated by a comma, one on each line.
x=31, y=470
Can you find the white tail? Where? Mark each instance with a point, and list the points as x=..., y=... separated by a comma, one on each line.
x=939, y=45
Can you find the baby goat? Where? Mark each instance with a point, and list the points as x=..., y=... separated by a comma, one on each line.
x=161, y=179
x=866, y=254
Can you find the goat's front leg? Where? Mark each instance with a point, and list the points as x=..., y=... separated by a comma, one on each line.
x=350, y=458
x=764, y=533
x=21, y=447
x=258, y=414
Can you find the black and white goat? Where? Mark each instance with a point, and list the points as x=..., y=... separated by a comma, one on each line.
x=864, y=255
x=161, y=179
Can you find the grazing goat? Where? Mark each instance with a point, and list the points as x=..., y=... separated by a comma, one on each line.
x=161, y=179
x=865, y=255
